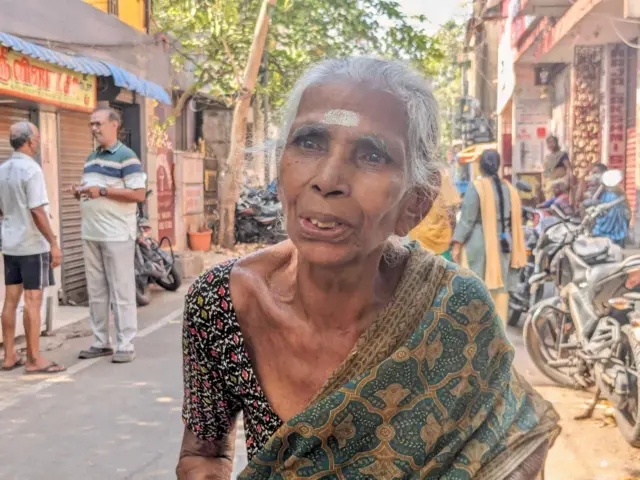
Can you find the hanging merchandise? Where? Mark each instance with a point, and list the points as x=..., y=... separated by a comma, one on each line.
x=586, y=110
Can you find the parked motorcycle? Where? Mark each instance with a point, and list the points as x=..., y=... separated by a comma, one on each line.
x=589, y=334
x=152, y=264
x=257, y=216
x=520, y=299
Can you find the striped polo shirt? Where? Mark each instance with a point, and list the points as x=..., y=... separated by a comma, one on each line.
x=104, y=219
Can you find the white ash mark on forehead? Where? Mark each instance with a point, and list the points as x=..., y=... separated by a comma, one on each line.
x=342, y=118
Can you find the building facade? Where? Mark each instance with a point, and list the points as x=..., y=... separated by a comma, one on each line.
x=570, y=69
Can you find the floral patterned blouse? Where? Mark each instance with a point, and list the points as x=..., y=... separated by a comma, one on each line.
x=219, y=381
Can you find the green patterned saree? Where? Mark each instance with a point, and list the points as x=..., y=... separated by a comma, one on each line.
x=427, y=392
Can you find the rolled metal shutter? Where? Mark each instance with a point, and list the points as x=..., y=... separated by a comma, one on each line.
x=76, y=142
x=9, y=116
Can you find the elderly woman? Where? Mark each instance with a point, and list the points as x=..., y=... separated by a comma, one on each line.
x=348, y=356
x=489, y=238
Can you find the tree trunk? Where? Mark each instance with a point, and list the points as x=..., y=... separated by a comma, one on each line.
x=231, y=173
x=258, y=141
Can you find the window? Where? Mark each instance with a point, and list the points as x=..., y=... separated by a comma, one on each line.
x=113, y=7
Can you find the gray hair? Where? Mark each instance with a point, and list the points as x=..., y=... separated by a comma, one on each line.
x=20, y=133
x=397, y=79
x=113, y=114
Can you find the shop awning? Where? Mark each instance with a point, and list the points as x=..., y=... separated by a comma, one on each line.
x=585, y=23
x=87, y=65
x=544, y=8
x=472, y=153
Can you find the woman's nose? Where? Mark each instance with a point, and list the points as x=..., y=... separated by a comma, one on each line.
x=332, y=176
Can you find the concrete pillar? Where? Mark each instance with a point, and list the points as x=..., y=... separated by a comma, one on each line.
x=189, y=173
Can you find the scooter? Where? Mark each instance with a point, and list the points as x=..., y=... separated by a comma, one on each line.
x=589, y=334
x=257, y=216
x=151, y=263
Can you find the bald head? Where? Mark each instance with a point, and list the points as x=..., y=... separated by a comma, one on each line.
x=24, y=137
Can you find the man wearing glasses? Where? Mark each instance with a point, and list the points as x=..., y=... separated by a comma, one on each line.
x=112, y=184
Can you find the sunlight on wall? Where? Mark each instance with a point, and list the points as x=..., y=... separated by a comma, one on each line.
x=131, y=12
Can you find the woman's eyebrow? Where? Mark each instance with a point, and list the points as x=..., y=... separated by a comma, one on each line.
x=375, y=142
x=310, y=129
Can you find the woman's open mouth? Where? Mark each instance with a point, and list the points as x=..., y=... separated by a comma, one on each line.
x=322, y=228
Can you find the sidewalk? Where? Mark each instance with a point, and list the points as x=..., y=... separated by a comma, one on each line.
x=73, y=332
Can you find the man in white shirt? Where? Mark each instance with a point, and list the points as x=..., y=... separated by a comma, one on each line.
x=29, y=247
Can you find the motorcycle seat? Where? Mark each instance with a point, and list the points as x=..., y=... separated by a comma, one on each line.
x=599, y=272
x=588, y=247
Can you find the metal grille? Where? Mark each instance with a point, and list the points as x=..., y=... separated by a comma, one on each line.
x=113, y=7
x=76, y=143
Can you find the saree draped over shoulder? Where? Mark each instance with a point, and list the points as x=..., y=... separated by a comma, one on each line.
x=427, y=392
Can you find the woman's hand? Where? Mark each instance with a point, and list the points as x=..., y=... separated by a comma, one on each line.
x=456, y=252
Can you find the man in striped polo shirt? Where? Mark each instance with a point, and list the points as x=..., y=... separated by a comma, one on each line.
x=112, y=184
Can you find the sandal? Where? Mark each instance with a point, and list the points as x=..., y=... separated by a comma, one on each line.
x=53, y=367
x=18, y=363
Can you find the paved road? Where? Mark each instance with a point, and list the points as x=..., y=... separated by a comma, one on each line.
x=105, y=421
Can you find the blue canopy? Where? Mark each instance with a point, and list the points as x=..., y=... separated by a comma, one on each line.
x=87, y=65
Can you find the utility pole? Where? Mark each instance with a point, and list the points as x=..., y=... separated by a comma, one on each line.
x=230, y=177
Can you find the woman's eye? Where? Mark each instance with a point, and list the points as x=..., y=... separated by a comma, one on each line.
x=375, y=158
x=306, y=144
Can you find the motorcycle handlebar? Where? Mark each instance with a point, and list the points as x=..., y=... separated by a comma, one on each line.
x=594, y=212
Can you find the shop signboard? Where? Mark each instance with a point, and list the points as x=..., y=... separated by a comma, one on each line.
x=532, y=118
x=26, y=77
x=165, y=194
x=617, y=96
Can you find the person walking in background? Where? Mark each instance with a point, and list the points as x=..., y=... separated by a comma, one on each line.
x=556, y=167
x=489, y=239
x=435, y=231
x=29, y=247
x=112, y=184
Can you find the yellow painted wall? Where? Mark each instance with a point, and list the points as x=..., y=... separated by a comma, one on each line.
x=99, y=4
x=130, y=12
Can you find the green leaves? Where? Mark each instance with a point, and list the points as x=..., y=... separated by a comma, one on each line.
x=302, y=32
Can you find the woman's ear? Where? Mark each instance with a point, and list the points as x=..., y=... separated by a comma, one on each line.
x=418, y=204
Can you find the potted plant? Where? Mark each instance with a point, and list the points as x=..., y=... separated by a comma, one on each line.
x=200, y=240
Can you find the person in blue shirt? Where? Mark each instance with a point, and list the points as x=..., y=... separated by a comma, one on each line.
x=614, y=223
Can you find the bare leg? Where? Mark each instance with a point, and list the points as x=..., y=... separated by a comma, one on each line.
x=11, y=300
x=32, y=321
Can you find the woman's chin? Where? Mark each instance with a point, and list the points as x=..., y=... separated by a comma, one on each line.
x=325, y=254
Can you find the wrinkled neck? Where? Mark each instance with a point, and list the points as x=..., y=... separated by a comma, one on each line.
x=344, y=295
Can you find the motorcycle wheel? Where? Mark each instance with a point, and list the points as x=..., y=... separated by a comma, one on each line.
x=142, y=293
x=628, y=420
x=173, y=281
x=533, y=346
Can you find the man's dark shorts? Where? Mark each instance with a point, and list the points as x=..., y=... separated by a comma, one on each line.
x=34, y=272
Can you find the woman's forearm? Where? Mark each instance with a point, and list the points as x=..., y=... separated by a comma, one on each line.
x=202, y=460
